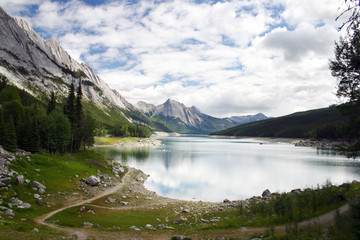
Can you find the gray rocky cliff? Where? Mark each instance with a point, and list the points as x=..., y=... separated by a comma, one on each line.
x=39, y=65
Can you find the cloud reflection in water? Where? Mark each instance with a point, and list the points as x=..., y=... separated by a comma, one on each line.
x=208, y=169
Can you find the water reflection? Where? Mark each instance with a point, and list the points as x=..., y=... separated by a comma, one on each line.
x=210, y=169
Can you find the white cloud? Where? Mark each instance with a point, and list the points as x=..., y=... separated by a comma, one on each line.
x=229, y=58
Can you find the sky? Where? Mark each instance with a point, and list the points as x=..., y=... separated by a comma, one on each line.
x=226, y=57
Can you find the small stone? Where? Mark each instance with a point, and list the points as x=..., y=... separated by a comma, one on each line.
x=82, y=209
x=226, y=200
x=87, y=224
x=25, y=206
x=123, y=203
x=27, y=181
x=111, y=199
x=149, y=226
x=204, y=220
x=37, y=170
x=41, y=191
x=9, y=213
x=178, y=237
x=5, y=181
x=135, y=228
x=20, y=179
x=36, y=230
x=39, y=201
x=36, y=196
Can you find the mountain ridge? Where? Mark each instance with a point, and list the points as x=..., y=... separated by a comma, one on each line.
x=184, y=119
x=38, y=65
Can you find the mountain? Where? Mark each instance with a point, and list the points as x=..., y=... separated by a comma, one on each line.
x=41, y=66
x=182, y=119
x=318, y=123
x=247, y=119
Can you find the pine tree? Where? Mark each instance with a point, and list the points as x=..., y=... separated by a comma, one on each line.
x=69, y=109
x=78, y=107
x=52, y=103
x=10, y=140
x=2, y=127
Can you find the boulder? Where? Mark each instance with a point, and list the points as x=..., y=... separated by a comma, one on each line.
x=92, y=181
x=9, y=213
x=20, y=179
x=5, y=180
x=266, y=194
x=111, y=199
x=135, y=228
x=38, y=185
x=226, y=200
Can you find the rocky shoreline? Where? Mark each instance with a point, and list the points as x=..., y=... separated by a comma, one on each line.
x=133, y=143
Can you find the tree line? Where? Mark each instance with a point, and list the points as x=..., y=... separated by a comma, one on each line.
x=28, y=124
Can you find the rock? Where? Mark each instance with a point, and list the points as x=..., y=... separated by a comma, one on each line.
x=215, y=219
x=20, y=179
x=2, y=185
x=180, y=220
x=88, y=224
x=111, y=199
x=39, y=201
x=178, y=237
x=27, y=181
x=148, y=198
x=123, y=203
x=82, y=209
x=6, y=180
x=36, y=230
x=36, y=196
x=9, y=213
x=25, y=206
x=169, y=228
x=149, y=226
x=41, y=190
x=204, y=220
x=266, y=194
x=355, y=181
x=92, y=181
x=135, y=228
x=38, y=185
x=161, y=226
x=37, y=170
x=16, y=201
x=296, y=192
x=226, y=200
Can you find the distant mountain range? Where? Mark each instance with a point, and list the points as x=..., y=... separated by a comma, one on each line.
x=182, y=119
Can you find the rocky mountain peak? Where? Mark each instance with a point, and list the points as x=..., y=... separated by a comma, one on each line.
x=39, y=65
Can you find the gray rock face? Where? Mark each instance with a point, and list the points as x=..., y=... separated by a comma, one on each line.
x=92, y=181
x=44, y=64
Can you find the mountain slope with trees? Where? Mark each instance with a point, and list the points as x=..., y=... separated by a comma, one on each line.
x=319, y=123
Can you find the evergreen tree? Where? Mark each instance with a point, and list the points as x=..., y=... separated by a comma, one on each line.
x=2, y=127
x=69, y=109
x=52, y=103
x=10, y=140
x=78, y=107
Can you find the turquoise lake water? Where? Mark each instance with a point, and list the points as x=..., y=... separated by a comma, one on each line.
x=212, y=169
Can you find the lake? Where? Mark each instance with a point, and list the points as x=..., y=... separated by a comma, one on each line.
x=212, y=169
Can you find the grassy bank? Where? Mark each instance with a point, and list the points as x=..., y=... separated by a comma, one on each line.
x=61, y=174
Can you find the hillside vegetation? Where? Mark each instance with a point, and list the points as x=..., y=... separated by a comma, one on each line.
x=324, y=123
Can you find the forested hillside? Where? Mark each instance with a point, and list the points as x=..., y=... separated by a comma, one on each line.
x=320, y=123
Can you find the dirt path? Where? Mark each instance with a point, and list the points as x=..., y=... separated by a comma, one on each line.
x=129, y=180
x=80, y=233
